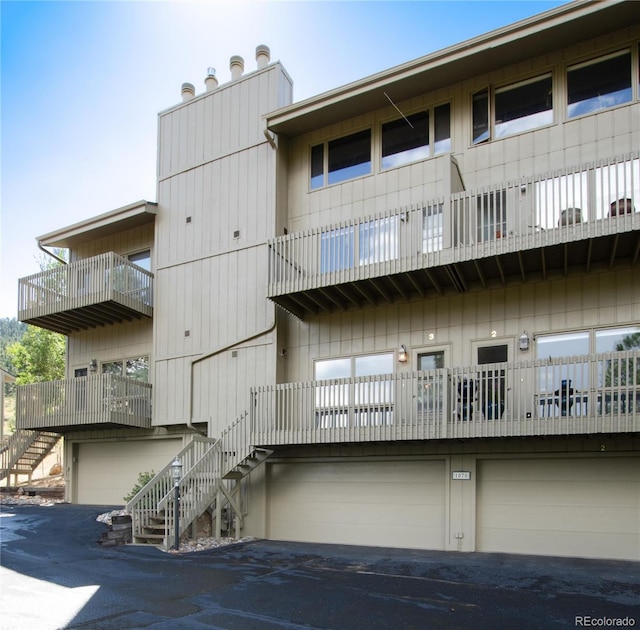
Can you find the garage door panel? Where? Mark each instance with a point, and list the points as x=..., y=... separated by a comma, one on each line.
x=586, y=545
x=378, y=503
x=107, y=471
x=584, y=507
x=369, y=492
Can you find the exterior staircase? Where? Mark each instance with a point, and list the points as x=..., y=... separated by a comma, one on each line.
x=211, y=480
x=24, y=451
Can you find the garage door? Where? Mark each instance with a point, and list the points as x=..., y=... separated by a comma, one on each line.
x=106, y=471
x=568, y=507
x=391, y=504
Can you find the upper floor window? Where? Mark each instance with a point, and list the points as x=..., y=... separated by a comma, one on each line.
x=341, y=159
x=373, y=242
x=135, y=367
x=599, y=84
x=408, y=139
x=142, y=259
x=523, y=106
x=517, y=107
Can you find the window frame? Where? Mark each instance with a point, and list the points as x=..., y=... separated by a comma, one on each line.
x=432, y=141
x=123, y=365
x=591, y=61
x=325, y=146
x=491, y=132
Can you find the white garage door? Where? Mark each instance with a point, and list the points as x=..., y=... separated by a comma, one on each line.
x=568, y=507
x=391, y=504
x=107, y=471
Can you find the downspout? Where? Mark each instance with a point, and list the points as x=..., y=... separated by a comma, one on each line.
x=203, y=357
x=271, y=139
x=46, y=251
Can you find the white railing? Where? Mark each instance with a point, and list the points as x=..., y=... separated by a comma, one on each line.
x=87, y=400
x=144, y=505
x=571, y=204
x=199, y=486
x=573, y=395
x=205, y=462
x=85, y=282
x=13, y=450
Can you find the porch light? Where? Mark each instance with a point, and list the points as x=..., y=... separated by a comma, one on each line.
x=524, y=341
x=402, y=354
x=93, y=365
x=176, y=471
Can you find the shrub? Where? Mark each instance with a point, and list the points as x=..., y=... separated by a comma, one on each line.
x=143, y=479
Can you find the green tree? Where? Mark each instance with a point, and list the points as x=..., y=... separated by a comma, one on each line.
x=38, y=356
x=624, y=371
x=11, y=330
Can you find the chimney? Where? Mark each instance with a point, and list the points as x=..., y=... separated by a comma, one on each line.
x=263, y=56
x=210, y=81
x=236, y=65
x=188, y=92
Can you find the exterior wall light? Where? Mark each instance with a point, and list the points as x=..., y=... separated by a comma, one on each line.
x=176, y=471
x=93, y=365
x=523, y=343
x=402, y=354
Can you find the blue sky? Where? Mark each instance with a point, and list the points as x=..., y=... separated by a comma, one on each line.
x=82, y=83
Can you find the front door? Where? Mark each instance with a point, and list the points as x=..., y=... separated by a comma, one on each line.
x=492, y=382
x=81, y=388
x=431, y=385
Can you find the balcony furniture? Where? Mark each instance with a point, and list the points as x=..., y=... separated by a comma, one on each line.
x=564, y=397
x=621, y=206
x=570, y=216
x=466, y=397
x=378, y=414
x=624, y=401
x=576, y=404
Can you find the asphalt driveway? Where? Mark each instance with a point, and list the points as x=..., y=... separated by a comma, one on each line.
x=54, y=575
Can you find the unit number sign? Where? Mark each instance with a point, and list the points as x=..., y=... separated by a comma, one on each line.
x=461, y=474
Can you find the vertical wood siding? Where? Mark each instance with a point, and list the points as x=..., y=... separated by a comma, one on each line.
x=216, y=210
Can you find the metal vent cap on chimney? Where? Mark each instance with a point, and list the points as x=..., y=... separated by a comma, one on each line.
x=210, y=81
x=263, y=56
x=236, y=65
x=188, y=92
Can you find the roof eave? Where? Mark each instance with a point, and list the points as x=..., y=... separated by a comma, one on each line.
x=124, y=218
x=577, y=21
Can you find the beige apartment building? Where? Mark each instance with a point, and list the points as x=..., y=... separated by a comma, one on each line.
x=405, y=312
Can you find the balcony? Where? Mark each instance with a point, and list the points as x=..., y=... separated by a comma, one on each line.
x=105, y=289
x=104, y=401
x=539, y=227
x=570, y=396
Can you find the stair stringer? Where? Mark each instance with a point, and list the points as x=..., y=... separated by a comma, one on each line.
x=205, y=484
x=25, y=450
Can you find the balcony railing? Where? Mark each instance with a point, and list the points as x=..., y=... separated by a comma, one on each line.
x=101, y=401
x=93, y=292
x=513, y=231
x=574, y=395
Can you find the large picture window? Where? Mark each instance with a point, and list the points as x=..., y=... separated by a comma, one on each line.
x=408, y=139
x=515, y=108
x=377, y=241
x=346, y=158
x=350, y=400
x=135, y=367
x=523, y=106
x=599, y=84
